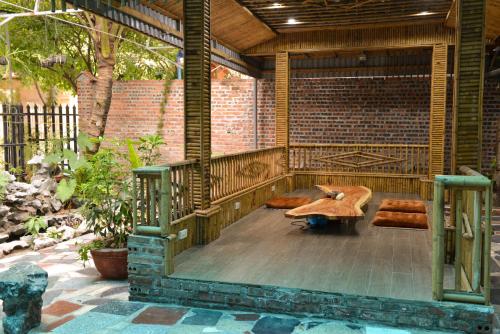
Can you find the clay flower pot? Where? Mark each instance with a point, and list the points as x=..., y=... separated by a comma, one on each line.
x=111, y=263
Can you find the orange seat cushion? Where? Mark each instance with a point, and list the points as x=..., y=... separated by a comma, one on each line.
x=400, y=219
x=403, y=205
x=287, y=202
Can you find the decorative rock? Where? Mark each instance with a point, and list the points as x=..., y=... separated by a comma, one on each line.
x=43, y=242
x=3, y=237
x=21, y=289
x=56, y=204
x=4, y=210
x=36, y=160
x=7, y=248
x=67, y=232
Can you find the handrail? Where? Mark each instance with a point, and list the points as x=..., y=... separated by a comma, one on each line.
x=359, y=144
x=224, y=156
x=472, y=192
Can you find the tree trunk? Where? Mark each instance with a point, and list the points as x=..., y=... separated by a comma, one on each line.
x=106, y=37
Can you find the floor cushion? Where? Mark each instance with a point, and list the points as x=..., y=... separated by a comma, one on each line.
x=403, y=205
x=400, y=219
x=287, y=202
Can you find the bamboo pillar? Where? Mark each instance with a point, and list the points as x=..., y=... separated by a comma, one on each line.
x=469, y=81
x=282, y=81
x=197, y=96
x=438, y=110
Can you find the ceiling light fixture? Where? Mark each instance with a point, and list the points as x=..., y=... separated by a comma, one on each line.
x=275, y=5
x=292, y=21
x=423, y=13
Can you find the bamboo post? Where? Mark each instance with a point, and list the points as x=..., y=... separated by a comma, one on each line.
x=134, y=202
x=476, y=243
x=458, y=240
x=165, y=202
x=487, y=244
x=438, y=241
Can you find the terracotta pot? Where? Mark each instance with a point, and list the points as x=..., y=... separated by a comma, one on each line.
x=111, y=263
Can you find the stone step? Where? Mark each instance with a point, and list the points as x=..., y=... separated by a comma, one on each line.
x=428, y=315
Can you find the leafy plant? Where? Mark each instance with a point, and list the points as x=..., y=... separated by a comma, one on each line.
x=4, y=181
x=104, y=190
x=149, y=148
x=84, y=250
x=34, y=225
x=54, y=234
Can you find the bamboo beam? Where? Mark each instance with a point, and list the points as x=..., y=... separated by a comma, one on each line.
x=438, y=110
x=197, y=96
x=438, y=241
x=282, y=79
x=469, y=82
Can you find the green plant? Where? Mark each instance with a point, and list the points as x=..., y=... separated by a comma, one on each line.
x=149, y=149
x=34, y=225
x=84, y=250
x=4, y=181
x=54, y=234
x=104, y=190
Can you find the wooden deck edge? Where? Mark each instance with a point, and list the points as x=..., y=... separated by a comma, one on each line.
x=428, y=315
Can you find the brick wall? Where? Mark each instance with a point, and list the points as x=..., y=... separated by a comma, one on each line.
x=135, y=111
x=365, y=110
x=323, y=110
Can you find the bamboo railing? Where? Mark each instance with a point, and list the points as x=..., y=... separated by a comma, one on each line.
x=396, y=159
x=162, y=194
x=473, y=196
x=236, y=172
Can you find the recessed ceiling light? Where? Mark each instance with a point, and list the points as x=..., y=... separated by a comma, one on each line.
x=424, y=13
x=292, y=21
x=275, y=5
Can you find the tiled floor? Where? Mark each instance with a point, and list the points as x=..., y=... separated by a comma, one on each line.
x=77, y=301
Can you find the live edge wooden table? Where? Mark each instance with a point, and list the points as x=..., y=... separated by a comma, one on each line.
x=347, y=209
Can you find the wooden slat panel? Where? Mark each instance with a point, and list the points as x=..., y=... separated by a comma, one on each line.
x=469, y=81
x=438, y=110
x=197, y=96
x=282, y=101
x=368, y=38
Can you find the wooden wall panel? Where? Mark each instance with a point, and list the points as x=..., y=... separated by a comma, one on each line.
x=282, y=97
x=469, y=81
x=364, y=39
x=197, y=95
x=438, y=110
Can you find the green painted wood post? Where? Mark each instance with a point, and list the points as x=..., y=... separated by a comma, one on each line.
x=487, y=244
x=134, y=202
x=476, y=243
x=438, y=241
x=165, y=202
x=458, y=239
x=152, y=201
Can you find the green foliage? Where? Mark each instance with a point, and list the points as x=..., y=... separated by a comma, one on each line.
x=34, y=39
x=34, y=225
x=54, y=234
x=104, y=190
x=149, y=149
x=84, y=250
x=65, y=189
x=4, y=181
x=135, y=161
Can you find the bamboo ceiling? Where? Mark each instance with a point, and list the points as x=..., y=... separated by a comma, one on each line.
x=321, y=14
x=492, y=18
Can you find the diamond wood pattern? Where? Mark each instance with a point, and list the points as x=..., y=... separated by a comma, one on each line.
x=469, y=81
x=282, y=101
x=197, y=96
x=438, y=110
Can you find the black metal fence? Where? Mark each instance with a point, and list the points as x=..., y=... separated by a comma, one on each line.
x=26, y=130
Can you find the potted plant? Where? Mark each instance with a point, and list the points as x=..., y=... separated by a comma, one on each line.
x=104, y=191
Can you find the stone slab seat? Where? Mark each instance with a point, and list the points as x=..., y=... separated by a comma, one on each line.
x=21, y=289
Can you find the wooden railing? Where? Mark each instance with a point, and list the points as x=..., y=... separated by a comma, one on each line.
x=472, y=196
x=157, y=188
x=397, y=159
x=236, y=172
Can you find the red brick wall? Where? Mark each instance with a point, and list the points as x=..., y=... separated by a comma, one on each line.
x=323, y=110
x=135, y=111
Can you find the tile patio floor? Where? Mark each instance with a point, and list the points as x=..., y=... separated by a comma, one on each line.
x=77, y=301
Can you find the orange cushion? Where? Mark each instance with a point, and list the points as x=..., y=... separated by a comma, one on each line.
x=403, y=205
x=287, y=202
x=400, y=219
